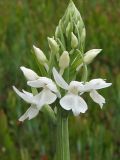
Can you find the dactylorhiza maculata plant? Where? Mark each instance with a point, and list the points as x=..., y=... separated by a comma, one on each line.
x=60, y=94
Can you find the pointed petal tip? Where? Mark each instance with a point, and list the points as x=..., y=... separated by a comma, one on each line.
x=28, y=82
x=54, y=69
x=22, y=68
x=13, y=86
x=15, y=89
x=109, y=84
x=34, y=47
x=22, y=119
x=99, y=50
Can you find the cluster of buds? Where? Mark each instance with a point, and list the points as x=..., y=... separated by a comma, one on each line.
x=59, y=70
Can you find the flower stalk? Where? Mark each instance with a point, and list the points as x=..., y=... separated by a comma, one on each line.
x=62, y=148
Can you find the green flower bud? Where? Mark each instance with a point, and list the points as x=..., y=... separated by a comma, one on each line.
x=64, y=60
x=57, y=32
x=90, y=55
x=53, y=45
x=74, y=41
x=71, y=21
x=68, y=30
x=83, y=35
x=40, y=55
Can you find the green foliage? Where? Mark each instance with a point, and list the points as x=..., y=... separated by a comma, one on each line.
x=94, y=135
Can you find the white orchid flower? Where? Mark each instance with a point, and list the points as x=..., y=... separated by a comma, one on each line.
x=94, y=85
x=72, y=100
x=47, y=96
x=49, y=93
x=33, y=110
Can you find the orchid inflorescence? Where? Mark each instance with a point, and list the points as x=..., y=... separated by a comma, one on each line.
x=58, y=82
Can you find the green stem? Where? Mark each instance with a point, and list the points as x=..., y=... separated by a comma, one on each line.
x=63, y=152
x=85, y=73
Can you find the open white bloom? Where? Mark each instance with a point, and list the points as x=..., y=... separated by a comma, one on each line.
x=49, y=93
x=94, y=85
x=72, y=100
x=29, y=74
x=47, y=96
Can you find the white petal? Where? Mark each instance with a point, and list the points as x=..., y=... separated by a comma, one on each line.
x=27, y=93
x=26, y=97
x=44, y=97
x=96, y=84
x=67, y=102
x=74, y=102
x=59, y=80
x=97, y=97
x=29, y=74
x=41, y=82
x=30, y=113
x=54, y=89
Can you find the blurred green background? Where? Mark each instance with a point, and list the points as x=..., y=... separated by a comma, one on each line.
x=94, y=135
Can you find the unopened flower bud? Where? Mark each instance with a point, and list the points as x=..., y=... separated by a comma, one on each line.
x=29, y=74
x=53, y=45
x=68, y=29
x=57, y=32
x=40, y=55
x=83, y=35
x=90, y=55
x=74, y=40
x=64, y=60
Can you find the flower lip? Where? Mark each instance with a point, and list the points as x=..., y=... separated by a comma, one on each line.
x=75, y=103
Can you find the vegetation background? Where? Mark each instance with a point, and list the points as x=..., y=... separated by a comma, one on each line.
x=94, y=135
